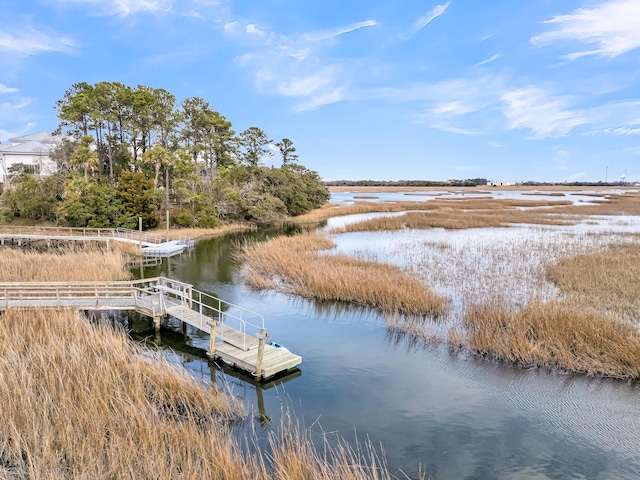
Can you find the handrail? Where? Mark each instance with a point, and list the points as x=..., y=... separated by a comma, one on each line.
x=208, y=306
x=115, y=233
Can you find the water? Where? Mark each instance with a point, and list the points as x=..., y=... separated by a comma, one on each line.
x=450, y=414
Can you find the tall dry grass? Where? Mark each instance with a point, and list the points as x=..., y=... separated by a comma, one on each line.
x=608, y=280
x=297, y=265
x=66, y=265
x=193, y=233
x=455, y=218
x=81, y=401
x=555, y=335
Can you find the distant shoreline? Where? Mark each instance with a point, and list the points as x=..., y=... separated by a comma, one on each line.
x=408, y=188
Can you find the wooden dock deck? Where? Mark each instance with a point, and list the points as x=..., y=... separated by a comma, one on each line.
x=237, y=336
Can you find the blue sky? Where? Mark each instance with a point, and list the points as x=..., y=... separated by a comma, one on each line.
x=366, y=89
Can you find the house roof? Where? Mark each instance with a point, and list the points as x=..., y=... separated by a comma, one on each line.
x=42, y=137
x=27, y=148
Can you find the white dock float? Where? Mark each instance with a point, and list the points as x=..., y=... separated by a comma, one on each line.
x=164, y=249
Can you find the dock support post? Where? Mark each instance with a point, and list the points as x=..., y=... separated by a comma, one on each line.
x=261, y=336
x=212, y=340
x=156, y=323
x=184, y=332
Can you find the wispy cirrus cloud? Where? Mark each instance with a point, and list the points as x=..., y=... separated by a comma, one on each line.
x=331, y=34
x=488, y=60
x=26, y=41
x=424, y=20
x=612, y=28
x=297, y=66
x=533, y=109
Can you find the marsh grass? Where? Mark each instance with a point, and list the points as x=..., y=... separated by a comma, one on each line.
x=298, y=265
x=64, y=265
x=455, y=218
x=82, y=401
x=193, y=233
x=555, y=335
x=614, y=204
x=608, y=280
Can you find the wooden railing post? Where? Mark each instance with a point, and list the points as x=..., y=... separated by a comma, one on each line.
x=212, y=339
x=261, y=338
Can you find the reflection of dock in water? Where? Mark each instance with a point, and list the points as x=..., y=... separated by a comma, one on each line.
x=177, y=342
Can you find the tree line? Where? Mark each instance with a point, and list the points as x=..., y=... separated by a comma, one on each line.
x=135, y=152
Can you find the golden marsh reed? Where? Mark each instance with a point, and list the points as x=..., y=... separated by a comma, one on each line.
x=297, y=265
x=607, y=280
x=81, y=401
x=66, y=265
x=554, y=335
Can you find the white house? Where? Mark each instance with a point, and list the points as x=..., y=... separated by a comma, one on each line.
x=32, y=151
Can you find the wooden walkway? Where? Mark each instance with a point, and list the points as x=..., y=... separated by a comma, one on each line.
x=237, y=336
x=23, y=234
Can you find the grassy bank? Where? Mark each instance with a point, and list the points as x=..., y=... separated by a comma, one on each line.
x=297, y=265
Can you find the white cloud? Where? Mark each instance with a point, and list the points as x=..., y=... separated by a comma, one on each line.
x=612, y=28
x=489, y=60
x=5, y=89
x=251, y=29
x=495, y=144
x=27, y=41
x=330, y=34
x=425, y=20
x=531, y=108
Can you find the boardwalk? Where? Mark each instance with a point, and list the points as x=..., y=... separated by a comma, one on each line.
x=237, y=336
x=150, y=243
x=22, y=234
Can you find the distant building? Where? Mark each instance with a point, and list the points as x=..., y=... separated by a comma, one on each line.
x=502, y=183
x=30, y=150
